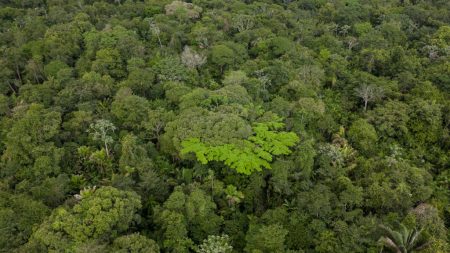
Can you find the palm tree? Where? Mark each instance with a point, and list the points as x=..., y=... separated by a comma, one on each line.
x=403, y=241
x=234, y=196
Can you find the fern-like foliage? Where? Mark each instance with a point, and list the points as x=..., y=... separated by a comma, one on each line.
x=252, y=155
x=404, y=240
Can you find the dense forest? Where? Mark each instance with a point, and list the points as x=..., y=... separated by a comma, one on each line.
x=220, y=126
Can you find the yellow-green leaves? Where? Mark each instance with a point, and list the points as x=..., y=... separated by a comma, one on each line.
x=249, y=155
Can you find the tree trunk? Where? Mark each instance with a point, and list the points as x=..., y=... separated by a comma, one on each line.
x=106, y=149
x=18, y=74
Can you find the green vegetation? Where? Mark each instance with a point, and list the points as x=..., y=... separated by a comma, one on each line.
x=404, y=241
x=249, y=156
x=225, y=126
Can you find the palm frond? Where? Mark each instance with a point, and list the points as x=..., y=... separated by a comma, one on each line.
x=387, y=242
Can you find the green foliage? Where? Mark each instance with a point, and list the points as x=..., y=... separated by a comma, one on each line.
x=181, y=9
x=222, y=56
x=107, y=62
x=104, y=214
x=266, y=239
x=183, y=213
x=134, y=243
x=114, y=211
x=215, y=244
x=101, y=131
x=4, y=104
x=18, y=215
x=234, y=196
x=129, y=109
x=215, y=127
x=279, y=46
x=363, y=135
x=175, y=233
x=30, y=151
x=404, y=240
x=200, y=213
x=140, y=126
x=252, y=155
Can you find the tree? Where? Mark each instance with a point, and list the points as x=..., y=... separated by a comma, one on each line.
x=279, y=46
x=192, y=59
x=200, y=213
x=108, y=62
x=52, y=191
x=222, y=56
x=403, y=241
x=243, y=22
x=173, y=223
x=368, y=93
x=154, y=28
x=30, y=151
x=172, y=69
x=112, y=45
x=391, y=120
x=394, y=183
x=175, y=237
x=156, y=122
x=133, y=153
x=425, y=121
x=53, y=67
x=129, y=109
x=179, y=8
x=87, y=89
x=140, y=79
x=76, y=124
x=266, y=238
x=234, y=197
x=252, y=155
x=134, y=243
x=279, y=182
x=18, y=214
x=312, y=75
x=308, y=111
x=441, y=37
x=101, y=214
x=317, y=201
x=33, y=93
x=101, y=131
x=215, y=244
x=214, y=127
x=192, y=213
x=34, y=69
x=63, y=42
x=363, y=135
x=235, y=78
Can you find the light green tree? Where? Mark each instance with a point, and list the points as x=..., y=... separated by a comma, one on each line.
x=134, y=243
x=250, y=155
x=100, y=214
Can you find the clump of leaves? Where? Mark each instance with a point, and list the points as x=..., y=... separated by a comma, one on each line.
x=216, y=244
x=234, y=196
x=250, y=155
